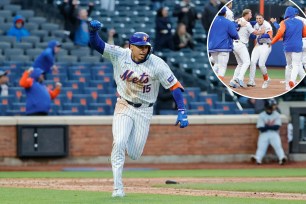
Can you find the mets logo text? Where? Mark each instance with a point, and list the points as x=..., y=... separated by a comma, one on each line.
x=142, y=79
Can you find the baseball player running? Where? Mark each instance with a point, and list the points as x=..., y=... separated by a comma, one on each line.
x=240, y=48
x=261, y=51
x=220, y=42
x=268, y=123
x=291, y=30
x=138, y=74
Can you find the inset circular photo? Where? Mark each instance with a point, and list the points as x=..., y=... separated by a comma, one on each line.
x=258, y=48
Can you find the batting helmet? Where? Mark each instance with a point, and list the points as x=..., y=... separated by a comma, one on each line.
x=269, y=103
x=140, y=38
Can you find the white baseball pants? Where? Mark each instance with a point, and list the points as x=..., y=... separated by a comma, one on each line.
x=221, y=60
x=243, y=59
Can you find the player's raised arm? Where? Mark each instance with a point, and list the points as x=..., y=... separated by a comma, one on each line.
x=95, y=41
x=280, y=32
x=176, y=91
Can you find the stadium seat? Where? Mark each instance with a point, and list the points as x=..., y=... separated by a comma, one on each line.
x=5, y=45
x=83, y=99
x=68, y=59
x=226, y=106
x=200, y=106
x=19, y=58
x=90, y=59
x=245, y=111
x=13, y=52
x=39, y=33
x=101, y=108
x=102, y=86
x=49, y=26
x=21, y=107
x=105, y=78
x=94, y=93
x=210, y=99
x=33, y=53
x=6, y=13
x=59, y=77
x=26, y=14
x=31, y=39
x=13, y=8
x=67, y=94
x=31, y=26
x=37, y=20
x=10, y=39
x=168, y=112
x=80, y=52
x=75, y=108
x=17, y=93
x=109, y=99
x=76, y=85
x=194, y=92
x=83, y=78
x=23, y=45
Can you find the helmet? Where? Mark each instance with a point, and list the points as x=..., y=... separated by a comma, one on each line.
x=140, y=38
x=269, y=103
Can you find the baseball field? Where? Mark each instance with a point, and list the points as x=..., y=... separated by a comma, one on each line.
x=276, y=86
x=234, y=186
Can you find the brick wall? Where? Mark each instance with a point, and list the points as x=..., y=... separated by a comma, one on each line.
x=209, y=138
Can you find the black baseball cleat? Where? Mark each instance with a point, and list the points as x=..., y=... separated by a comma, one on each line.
x=282, y=161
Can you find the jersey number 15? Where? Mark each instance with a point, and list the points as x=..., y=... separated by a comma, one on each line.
x=146, y=88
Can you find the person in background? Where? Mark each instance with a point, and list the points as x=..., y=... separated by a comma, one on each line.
x=182, y=39
x=45, y=60
x=76, y=21
x=3, y=83
x=269, y=123
x=110, y=36
x=210, y=10
x=38, y=101
x=163, y=38
x=186, y=13
x=18, y=29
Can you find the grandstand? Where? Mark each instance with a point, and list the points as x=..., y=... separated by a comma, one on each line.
x=88, y=85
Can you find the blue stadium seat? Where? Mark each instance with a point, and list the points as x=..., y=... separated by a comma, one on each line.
x=102, y=108
x=109, y=99
x=194, y=92
x=168, y=112
x=245, y=111
x=104, y=78
x=75, y=108
x=54, y=110
x=210, y=99
x=83, y=99
x=99, y=85
x=67, y=94
x=21, y=107
x=219, y=112
x=202, y=107
x=7, y=100
x=76, y=85
x=226, y=106
x=60, y=77
x=83, y=78
x=18, y=93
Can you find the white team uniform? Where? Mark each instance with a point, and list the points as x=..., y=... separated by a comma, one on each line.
x=139, y=84
x=241, y=51
x=260, y=53
x=229, y=14
x=269, y=137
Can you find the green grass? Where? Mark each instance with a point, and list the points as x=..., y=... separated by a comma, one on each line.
x=273, y=73
x=39, y=196
x=164, y=173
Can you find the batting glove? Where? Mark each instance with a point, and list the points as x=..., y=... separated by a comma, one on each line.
x=94, y=25
x=182, y=118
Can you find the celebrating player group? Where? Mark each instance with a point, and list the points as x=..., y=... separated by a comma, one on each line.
x=229, y=35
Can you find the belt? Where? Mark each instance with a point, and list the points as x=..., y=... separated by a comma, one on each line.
x=137, y=105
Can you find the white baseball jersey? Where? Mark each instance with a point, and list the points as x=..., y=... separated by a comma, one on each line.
x=245, y=31
x=269, y=137
x=138, y=83
x=229, y=14
x=267, y=26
